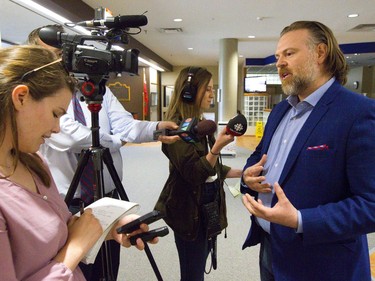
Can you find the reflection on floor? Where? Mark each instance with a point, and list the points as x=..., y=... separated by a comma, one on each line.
x=249, y=142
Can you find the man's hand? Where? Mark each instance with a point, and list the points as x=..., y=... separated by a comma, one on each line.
x=252, y=179
x=283, y=213
x=167, y=125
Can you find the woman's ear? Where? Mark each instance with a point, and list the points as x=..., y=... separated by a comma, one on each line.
x=19, y=95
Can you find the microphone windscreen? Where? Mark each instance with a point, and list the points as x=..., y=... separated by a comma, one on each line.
x=131, y=21
x=205, y=127
x=237, y=126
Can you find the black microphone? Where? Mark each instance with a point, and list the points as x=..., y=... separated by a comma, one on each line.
x=190, y=130
x=237, y=126
x=120, y=22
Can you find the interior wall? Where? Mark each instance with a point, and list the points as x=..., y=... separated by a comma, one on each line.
x=369, y=81
x=135, y=104
x=355, y=75
x=168, y=78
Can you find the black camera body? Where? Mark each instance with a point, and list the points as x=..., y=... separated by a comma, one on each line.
x=85, y=59
x=79, y=57
x=89, y=64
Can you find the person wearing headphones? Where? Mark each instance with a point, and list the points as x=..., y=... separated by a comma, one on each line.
x=193, y=192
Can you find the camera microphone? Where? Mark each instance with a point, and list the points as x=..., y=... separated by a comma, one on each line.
x=190, y=130
x=237, y=126
x=120, y=22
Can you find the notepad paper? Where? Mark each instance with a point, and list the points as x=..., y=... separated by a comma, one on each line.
x=108, y=211
x=236, y=189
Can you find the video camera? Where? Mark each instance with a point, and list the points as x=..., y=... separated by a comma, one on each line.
x=89, y=64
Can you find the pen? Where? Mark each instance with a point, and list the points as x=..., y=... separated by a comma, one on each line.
x=82, y=207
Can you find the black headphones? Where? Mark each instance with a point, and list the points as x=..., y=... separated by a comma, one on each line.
x=189, y=91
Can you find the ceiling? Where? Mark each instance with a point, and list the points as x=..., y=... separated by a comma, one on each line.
x=206, y=22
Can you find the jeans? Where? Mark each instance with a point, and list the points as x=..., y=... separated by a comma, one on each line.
x=265, y=258
x=193, y=256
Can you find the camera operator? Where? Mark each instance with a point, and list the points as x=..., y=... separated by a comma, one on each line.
x=117, y=127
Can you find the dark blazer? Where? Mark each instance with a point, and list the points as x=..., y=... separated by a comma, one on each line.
x=333, y=188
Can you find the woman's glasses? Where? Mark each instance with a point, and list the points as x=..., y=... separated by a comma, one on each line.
x=23, y=77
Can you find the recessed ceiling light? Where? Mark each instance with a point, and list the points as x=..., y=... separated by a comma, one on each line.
x=177, y=20
x=190, y=48
x=251, y=36
x=353, y=15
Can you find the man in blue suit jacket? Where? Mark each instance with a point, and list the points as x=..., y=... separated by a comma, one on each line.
x=310, y=184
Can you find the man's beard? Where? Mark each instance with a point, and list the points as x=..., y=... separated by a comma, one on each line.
x=296, y=86
x=301, y=80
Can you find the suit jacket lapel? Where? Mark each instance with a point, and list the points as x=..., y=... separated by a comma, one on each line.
x=311, y=122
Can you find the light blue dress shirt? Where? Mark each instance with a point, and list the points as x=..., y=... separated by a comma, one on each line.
x=282, y=142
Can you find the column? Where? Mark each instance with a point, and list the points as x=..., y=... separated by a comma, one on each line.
x=228, y=79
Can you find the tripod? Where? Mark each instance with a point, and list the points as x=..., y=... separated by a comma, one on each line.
x=100, y=154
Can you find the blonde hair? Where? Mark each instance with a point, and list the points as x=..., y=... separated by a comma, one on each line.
x=15, y=61
x=179, y=109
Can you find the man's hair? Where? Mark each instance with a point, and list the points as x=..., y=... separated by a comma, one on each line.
x=33, y=37
x=335, y=61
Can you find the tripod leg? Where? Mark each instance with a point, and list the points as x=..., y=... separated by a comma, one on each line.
x=107, y=158
x=82, y=162
x=107, y=262
x=105, y=252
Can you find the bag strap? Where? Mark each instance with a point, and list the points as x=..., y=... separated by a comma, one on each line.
x=211, y=140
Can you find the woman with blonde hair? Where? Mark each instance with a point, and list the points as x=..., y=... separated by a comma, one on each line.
x=194, y=189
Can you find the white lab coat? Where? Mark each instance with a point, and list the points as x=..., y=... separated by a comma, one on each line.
x=116, y=125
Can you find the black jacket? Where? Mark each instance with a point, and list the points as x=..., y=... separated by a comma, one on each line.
x=181, y=198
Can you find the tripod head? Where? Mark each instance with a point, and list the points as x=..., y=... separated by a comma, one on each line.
x=92, y=87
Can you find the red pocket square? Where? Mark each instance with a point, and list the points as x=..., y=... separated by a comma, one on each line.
x=318, y=147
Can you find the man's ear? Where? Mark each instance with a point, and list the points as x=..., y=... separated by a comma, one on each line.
x=322, y=53
x=19, y=95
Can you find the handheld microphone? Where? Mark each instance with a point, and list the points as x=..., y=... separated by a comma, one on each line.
x=237, y=126
x=190, y=130
x=120, y=22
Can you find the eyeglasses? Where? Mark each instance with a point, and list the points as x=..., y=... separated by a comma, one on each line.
x=39, y=68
